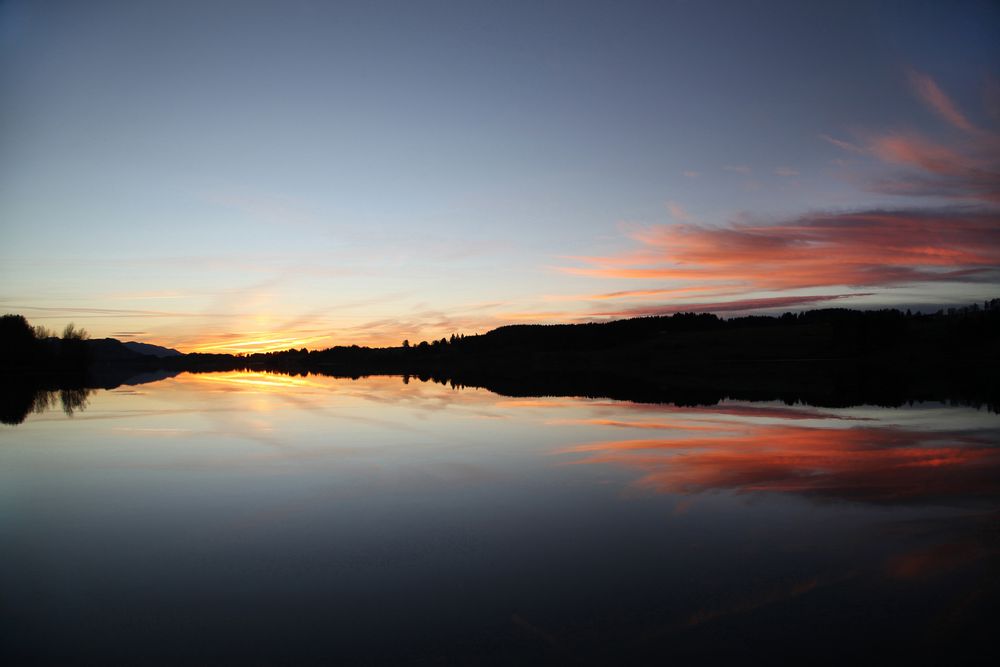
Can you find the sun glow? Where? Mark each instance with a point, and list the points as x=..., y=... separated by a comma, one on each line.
x=253, y=345
x=254, y=381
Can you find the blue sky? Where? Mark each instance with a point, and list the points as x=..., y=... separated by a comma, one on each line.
x=217, y=175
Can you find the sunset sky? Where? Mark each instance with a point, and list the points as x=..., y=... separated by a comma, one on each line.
x=239, y=176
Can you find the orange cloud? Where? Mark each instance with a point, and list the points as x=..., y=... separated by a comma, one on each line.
x=845, y=249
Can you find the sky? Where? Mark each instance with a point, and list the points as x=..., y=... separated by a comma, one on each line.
x=244, y=176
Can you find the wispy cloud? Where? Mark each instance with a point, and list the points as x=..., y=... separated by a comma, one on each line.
x=726, y=306
x=739, y=168
x=915, y=151
x=79, y=311
x=260, y=344
x=678, y=212
x=867, y=248
x=840, y=143
x=672, y=305
x=660, y=292
x=932, y=95
x=422, y=324
x=966, y=169
x=936, y=170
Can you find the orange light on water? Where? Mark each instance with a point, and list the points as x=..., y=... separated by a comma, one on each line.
x=253, y=381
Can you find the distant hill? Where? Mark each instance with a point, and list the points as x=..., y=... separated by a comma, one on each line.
x=109, y=350
x=151, y=350
x=112, y=350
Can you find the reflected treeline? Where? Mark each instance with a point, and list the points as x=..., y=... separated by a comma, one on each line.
x=832, y=357
x=28, y=349
x=817, y=383
x=22, y=394
x=71, y=400
x=20, y=399
x=824, y=384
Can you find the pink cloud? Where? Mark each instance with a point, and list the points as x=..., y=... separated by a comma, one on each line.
x=938, y=170
x=928, y=91
x=968, y=170
x=915, y=151
x=844, y=249
x=677, y=212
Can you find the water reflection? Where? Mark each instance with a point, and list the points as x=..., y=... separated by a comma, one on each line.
x=17, y=401
x=254, y=517
x=238, y=380
x=923, y=455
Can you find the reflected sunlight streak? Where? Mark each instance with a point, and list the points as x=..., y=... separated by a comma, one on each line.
x=251, y=381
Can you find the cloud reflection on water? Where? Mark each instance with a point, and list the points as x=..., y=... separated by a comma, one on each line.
x=806, y=452
x=941, y=455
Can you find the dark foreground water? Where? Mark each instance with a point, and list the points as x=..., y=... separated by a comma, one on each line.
x=258, y=519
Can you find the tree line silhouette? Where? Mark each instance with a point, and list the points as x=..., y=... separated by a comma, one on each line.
x=40, y=369
x=27, y=348
x=826, y=357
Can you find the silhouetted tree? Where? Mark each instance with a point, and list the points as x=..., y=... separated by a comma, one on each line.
x=42, y=332
x=18, y=345
x=72, y=333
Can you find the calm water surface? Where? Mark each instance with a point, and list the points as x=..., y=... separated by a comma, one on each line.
x=258, y=518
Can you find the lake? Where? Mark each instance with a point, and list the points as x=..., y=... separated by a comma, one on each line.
x=263, y=518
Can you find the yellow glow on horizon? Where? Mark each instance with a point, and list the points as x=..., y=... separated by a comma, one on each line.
x=273, y=344
x=252, y=340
